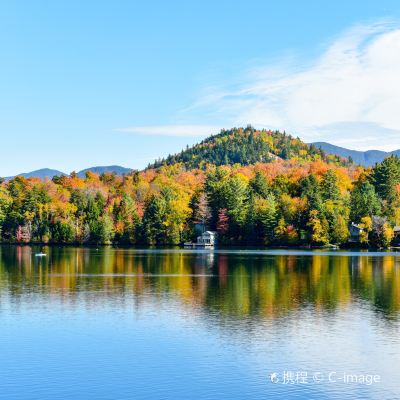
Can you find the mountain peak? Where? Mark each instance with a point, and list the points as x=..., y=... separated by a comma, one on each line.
x=244, y=146
x=42, y=173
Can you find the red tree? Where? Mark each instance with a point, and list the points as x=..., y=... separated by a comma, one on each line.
x=223, y=221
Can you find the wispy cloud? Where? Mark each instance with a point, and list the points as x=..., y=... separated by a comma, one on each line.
x=350, y=93
x=172, y=130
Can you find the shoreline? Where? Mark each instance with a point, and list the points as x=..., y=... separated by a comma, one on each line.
x=224, y=247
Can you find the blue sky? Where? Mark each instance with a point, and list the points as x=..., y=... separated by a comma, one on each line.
x=86, y=83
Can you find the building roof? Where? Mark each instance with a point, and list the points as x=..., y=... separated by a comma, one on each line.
x=353, y=225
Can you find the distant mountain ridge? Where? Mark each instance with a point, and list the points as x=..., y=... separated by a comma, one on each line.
x=39, y=173
x=366, y=158
x=51, y=173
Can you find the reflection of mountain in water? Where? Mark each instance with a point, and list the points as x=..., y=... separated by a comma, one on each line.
x=238, y=285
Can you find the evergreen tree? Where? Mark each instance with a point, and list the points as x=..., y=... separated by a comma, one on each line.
x=266, y=218
x=215, y=188
x=310, y=190
x=259, y=185
x=63, y=231
x=363, y=201
x=329, y=186
x=385, y=177
x=153, y=228
x=252, y=230
x=102, y=230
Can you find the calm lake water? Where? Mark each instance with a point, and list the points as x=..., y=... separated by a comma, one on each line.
x=174, y=324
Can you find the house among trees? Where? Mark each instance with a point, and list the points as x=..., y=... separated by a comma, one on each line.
x=355, y=231
x=206, y=239
x=396, y=235
x=396, y=232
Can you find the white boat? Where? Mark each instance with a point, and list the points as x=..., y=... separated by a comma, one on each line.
x=40, y=255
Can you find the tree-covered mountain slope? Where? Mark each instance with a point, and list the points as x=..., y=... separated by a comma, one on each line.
x=245, y=146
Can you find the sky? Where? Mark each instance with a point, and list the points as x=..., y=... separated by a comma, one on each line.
x=86, y=83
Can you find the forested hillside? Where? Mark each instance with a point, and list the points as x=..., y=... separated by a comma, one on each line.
x=245, y=146
x=300, y=196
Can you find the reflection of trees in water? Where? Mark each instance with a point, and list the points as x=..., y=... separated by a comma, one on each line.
x=256, y=286
x=377, y=280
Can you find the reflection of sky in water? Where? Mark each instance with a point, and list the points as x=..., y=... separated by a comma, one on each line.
x=113, y=324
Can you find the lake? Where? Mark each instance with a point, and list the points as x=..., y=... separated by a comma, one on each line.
x=87, y=323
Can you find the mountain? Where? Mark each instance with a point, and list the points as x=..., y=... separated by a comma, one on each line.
x=367, y=158
x=40, y=173
x=116, y=169
x=244, y=146
x=50, y=173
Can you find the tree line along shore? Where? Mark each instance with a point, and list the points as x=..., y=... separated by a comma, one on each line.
x=252, y=187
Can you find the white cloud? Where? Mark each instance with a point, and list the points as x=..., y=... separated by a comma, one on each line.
x=173, y=130
x=350, y=95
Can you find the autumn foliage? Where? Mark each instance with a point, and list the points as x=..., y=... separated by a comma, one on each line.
x=296, y=195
